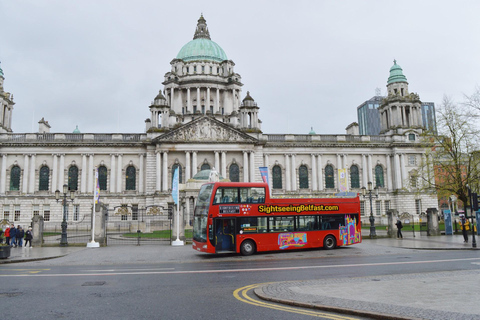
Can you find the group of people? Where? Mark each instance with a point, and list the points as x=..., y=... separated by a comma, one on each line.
x=14, y=236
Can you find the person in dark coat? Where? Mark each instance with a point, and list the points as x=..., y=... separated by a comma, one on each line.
x=13, y=235
x=465, y=228
x=28, y=237
x=399, y=228
x=19, y=236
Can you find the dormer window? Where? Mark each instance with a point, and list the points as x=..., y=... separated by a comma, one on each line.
x=411, y=137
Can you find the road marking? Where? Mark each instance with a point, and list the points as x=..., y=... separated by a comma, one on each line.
x=241, y=294
x=28, y=271
x=109, y=273
x=131, y=269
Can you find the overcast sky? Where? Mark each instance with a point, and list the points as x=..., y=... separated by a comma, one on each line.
x=99, y=64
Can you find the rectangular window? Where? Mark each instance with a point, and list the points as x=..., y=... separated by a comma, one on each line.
x=331, y=221
x=124, y=217
x=253, y=225
x=306, y=223
x=218, y=70
x=203, y=69
x=412, y=160
x=17, y=213
x=135, y=212
x=195, y=69
x=188, y=69
x=378, y=208
x=76, y=212
x=6, y=212
x=211, y=70
x=362, y=208
x=418, y=206
x=46, y=213
x=36, y=210
x=281, y=224
x=226, y=195
x=387, y=206
x=252, y=195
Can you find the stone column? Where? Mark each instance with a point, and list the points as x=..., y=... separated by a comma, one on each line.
x=217, y=161
x=224, y=164
x=61, y=172
x=54, y=173
x=25, y=174
x=90, y=174
x=320, y=172
x=112, y=173
x=158, y=171
x=171, y=97
x=294, y=173
x=217, y=105
x=370, y=170
x=288, y=174
x=189, y=101
x=396, y=166
x=403, y=170
x=31, y=184
x=252, y=166
x=388, y=160
x=194, y=163
x=314, y=173
x=119, y=173
x=165, y=171
x=3, y=174
x=245, y=166
x=207, y=103
x=83, y=177
x=364, y=171
x=199, y=104
x=339, y=166
x=187, y=166
x=141, y=174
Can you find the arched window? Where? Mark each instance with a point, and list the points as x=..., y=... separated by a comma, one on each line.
x=205, y=166
x=43, y=179
x=379, y=182
x=354, y=177
x=277, y=177
x=175, y=166
x=234, y=173
x=73, y=178
x=329, y=177
x=130, y=178
x=15, y=178
x=102, y=177
x=303, y=176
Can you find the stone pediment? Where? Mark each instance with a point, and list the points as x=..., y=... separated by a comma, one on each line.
x=206, y=130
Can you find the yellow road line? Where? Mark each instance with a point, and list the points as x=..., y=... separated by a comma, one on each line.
x=241, y=294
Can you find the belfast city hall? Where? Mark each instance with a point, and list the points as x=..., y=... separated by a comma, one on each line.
x=201, y=120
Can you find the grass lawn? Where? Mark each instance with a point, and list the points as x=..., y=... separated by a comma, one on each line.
x=162, y=234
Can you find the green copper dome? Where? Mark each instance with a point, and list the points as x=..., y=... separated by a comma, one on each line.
x=396, y=74
x=202, y=47
x=76, y=130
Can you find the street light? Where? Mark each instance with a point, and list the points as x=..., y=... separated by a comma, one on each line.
x=63, y=240
x=472, y=209
x=373, y=233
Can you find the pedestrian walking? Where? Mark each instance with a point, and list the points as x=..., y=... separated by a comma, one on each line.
x=465, y=227
x=20, y=235
x=13, y=235
x=7, y=235
x=399, y=228
x=28, y=237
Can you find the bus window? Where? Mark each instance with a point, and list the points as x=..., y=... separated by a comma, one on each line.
x=226, y=195
x=252, y=195
x=331, y=221
x=253, y=225
x=281, y=224
x=306, y=223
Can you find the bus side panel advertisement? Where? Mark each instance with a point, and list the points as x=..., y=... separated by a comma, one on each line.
x=349, y=233
x=292, y=239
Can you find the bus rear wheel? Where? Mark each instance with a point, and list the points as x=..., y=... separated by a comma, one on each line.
x=247, y=247
x=329, y=242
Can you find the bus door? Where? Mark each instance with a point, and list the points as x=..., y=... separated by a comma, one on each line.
x=224, y=234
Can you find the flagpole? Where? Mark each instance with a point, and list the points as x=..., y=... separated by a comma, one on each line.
x=93, y=244
x=176, y=197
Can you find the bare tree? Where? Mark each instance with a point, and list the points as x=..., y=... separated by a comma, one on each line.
x=452, y=160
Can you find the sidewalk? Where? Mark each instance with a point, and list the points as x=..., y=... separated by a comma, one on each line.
x=436, y=295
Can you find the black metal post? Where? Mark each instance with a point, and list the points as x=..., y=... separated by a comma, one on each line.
x=373, y=232
x=64, y=238
x=474, y=242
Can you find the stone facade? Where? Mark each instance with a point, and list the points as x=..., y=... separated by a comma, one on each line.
x=199, y=122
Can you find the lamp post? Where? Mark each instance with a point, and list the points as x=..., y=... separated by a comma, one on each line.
x=63, y=240
x=368, y=193
x=470, y=199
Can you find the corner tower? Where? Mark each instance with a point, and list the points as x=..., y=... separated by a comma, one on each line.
x=400, y=111
x=6, y=107
x=202, y=81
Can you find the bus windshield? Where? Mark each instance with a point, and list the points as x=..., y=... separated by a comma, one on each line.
x=201, y=213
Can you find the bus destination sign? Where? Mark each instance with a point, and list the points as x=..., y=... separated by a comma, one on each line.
x=229, y=209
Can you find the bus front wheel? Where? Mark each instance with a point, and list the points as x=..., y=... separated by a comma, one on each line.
x=247, y=248
x=329, y=242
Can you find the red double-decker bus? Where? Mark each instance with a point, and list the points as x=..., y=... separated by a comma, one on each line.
x=241, y=217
